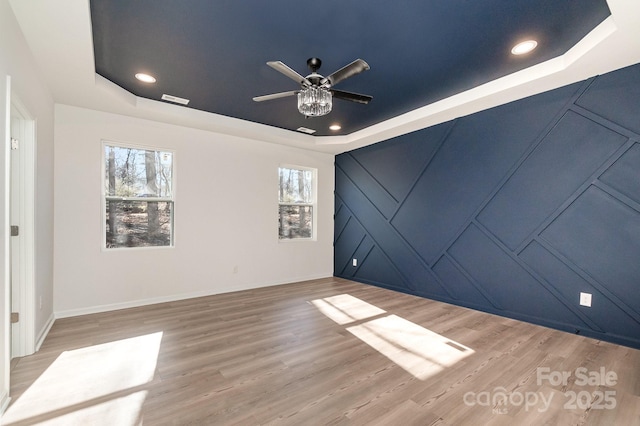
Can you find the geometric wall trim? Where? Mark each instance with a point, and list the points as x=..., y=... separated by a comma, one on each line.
x=601, y=236
x=615, y=98
x=574, y=149
x=622, y=176
x=514, y=210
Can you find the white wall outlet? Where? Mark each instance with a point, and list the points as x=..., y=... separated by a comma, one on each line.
x=235, y=269
x=585, y=299
x=355, y=262
x=40, y=302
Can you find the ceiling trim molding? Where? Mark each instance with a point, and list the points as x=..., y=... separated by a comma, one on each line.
x=61, y=42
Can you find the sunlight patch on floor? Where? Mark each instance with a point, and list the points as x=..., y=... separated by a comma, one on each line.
x=419, y=351
x=345, y=308
x=98, y=383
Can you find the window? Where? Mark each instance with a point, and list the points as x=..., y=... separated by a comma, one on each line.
x=297, y=200
x=138, y=194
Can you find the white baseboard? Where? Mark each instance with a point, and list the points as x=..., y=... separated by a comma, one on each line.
x=45, y=331
x=173, y=298
x=4, y=402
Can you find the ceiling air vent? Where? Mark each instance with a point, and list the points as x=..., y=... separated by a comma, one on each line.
x=305, y=130
x=175, y=99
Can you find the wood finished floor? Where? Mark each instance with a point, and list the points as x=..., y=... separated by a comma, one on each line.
x=270, y=356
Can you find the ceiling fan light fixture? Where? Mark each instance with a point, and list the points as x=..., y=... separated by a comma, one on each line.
x=314, y=101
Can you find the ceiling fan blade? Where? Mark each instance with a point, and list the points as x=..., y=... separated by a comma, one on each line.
x=350, y=96
x=275, y=96
x=355, y=67
x=284, y=69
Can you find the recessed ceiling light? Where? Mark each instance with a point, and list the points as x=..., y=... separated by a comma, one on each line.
x=335, y=127
x=524, y=47
x=145, y=77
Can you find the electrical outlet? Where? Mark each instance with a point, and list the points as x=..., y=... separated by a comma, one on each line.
x=40, y=302
x=585, y=299
x=355, y=262
x=235, y=269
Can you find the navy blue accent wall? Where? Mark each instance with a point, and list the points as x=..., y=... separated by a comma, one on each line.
x=514, y=210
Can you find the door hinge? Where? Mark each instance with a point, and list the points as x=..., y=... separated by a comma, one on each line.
x=15, y=144
x=15, y=230
x=15, y=317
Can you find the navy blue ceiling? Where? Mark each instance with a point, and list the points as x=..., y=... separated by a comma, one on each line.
x=215, y=52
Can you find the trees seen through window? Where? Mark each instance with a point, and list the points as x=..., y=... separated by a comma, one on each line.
x=138, y=188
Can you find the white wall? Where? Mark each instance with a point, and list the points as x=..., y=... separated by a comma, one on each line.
x=225, y=216
x=27, y=86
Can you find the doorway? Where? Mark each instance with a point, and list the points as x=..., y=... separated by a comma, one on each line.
x=22, y=220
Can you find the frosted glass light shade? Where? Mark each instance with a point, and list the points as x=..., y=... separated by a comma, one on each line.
x=314, y=101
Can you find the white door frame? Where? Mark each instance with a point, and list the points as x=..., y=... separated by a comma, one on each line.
x=24, y=130
x=4, y=249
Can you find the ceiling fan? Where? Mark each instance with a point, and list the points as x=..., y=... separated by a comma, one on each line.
x=316, y=92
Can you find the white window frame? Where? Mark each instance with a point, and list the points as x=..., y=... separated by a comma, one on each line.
x=313, y=204
x=172, y=199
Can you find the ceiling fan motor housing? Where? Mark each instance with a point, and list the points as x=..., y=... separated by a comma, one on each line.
x=314, y=64
x=315, y=78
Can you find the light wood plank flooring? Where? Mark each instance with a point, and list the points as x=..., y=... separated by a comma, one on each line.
x=323, y=352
